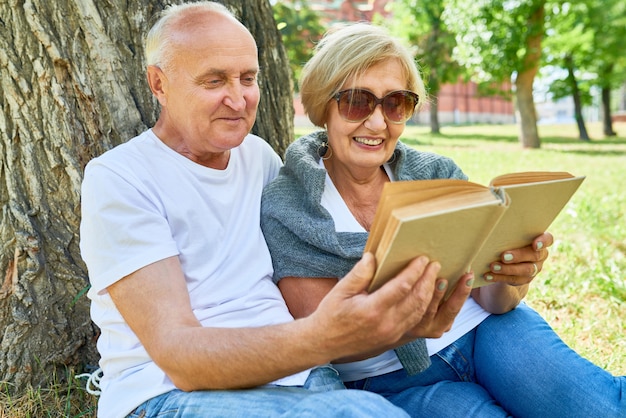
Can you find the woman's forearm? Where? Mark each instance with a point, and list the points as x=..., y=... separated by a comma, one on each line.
x=499, y=298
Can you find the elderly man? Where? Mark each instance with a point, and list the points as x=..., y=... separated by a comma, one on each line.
x=192, y=324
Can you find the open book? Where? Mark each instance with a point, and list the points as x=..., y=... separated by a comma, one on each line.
x=463, y=225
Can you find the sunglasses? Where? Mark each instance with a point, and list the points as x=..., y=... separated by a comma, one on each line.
x=356, y=105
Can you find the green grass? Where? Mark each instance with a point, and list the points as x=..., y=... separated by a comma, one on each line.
x=63, y=397
x=582, y=289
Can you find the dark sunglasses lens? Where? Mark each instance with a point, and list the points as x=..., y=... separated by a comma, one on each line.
x=399, y=106
x=356, y=105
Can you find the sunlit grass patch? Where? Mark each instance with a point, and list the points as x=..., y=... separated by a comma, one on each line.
x=63, y=397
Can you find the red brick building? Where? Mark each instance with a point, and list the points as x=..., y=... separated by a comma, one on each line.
x=461, y=103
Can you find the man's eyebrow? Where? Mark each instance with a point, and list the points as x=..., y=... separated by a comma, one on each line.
x=212, y=72
x=215, y=72
x=253, y=70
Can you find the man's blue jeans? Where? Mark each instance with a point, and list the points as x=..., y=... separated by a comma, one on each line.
x=510, y=365
x=323, y=395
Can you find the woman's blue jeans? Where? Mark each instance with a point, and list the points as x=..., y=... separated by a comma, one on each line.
x=323, y=395
x=510, y=365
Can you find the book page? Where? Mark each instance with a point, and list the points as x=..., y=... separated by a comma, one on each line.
x=528, y=177
x=533, y=208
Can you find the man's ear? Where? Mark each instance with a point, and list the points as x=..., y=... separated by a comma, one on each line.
x=158, y=83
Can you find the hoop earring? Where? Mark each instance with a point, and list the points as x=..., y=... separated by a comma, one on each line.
x=393, y=158
x=323, y=149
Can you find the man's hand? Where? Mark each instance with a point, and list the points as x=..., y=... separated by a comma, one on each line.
x=440, y=316
x=361, y=324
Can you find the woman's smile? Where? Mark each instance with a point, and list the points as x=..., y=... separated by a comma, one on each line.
x=368, y=141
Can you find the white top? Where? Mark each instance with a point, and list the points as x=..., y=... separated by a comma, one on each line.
x=143, y=202
x=470, y=316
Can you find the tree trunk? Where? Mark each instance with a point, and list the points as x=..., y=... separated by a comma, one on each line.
x=529, y=136
x=72, y=86
x=434, y=117
x=434, y=84
x=607, y=123
x=578, y=107
x=433, y=45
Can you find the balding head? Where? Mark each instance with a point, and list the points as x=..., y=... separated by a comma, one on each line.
x=176, y=22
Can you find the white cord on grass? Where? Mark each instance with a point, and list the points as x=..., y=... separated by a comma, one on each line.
x=93, y=381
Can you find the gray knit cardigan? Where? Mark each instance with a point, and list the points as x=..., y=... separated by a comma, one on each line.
x=301, y=233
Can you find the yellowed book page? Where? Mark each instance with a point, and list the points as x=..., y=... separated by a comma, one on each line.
x=451, y=237
x=533, y=208
x=528, y=177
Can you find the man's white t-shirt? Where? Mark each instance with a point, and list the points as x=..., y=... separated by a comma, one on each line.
x=470, y=316
x=143, y=202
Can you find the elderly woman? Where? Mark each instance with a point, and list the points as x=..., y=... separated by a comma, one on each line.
x=500, y=358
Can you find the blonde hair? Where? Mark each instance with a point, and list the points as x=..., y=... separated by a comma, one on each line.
x=159, y=42
x=348, y=52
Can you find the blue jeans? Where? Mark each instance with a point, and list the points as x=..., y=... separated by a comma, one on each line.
x=510, y=365
x=323, y=395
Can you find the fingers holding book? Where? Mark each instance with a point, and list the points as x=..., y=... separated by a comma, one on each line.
x=520, y=266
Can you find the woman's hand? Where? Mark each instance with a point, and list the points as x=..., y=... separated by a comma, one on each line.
x=512, y=275
x=520, y=266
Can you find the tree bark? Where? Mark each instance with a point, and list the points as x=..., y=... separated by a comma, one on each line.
x=72, y=86
x=435, y=128
x=578, y=106
x=434, y=45
x=435, y=87
x=529, y=136
x=607, y=122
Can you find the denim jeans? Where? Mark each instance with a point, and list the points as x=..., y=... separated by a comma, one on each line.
x=510, y=365
x=323, y=395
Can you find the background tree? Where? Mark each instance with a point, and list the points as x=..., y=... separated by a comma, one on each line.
x=569, y=46
x=586, y=40
x=608, y=26
x=300, y=29
x=72, y=86
x=498, y=41
x=421, y=23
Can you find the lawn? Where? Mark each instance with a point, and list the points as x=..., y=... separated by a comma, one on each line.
x=582, y=288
